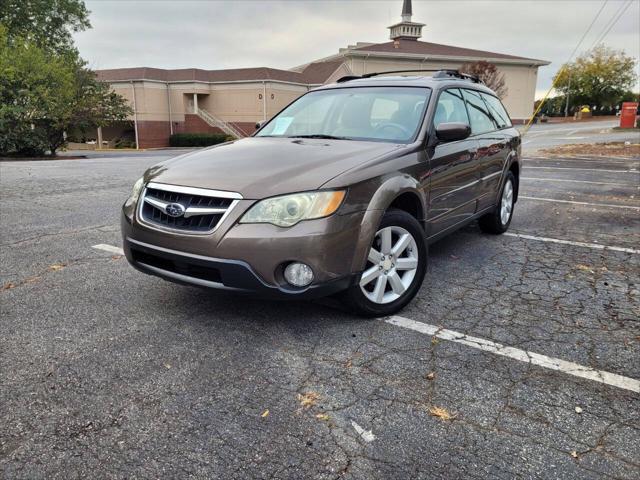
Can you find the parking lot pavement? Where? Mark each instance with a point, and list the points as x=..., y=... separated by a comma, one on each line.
x=547, y=135
x=524, y=363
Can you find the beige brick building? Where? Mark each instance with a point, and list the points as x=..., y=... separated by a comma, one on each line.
x=232, y=101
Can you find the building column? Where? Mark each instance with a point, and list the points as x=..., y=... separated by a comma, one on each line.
x=135, y=115
x=195, y=103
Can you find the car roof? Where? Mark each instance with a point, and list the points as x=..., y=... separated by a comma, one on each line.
x=435, y=83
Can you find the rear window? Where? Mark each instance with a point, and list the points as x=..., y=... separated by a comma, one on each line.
x=481, y=119
x=497, y=111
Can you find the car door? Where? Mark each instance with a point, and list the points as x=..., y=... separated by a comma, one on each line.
x=491, y=147
x=501, y=150
x=454, y=179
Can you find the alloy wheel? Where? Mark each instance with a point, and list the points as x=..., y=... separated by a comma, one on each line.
x=391, y=265
x=506, y=204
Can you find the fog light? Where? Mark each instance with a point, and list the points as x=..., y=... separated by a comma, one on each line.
x=298, y=274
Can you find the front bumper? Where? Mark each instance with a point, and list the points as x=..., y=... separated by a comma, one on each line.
x=249, y=257
x=219, y=273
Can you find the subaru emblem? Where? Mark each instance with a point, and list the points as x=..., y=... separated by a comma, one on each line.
x=175, y=210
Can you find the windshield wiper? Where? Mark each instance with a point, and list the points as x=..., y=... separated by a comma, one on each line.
x=320, y=135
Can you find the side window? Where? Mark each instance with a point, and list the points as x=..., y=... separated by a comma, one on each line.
x=497, y=110
x=481, y=121
x=450, y=108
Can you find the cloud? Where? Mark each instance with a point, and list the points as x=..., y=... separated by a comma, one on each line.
x=281, y=34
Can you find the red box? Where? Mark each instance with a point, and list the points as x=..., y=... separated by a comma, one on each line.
x=628, y=114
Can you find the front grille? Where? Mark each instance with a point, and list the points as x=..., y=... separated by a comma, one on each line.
x=177, y=266
x=203, y=209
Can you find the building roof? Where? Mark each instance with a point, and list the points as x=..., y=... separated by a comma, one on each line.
x=314, y=73
x=416, y=47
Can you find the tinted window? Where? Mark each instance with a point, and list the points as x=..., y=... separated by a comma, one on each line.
x=392, y=114
x=450, y=108
x=497, y=111
x=481, y=121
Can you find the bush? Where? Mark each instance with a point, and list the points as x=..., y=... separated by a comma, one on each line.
x=198, y=139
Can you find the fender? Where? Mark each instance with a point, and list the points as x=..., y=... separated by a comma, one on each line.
x=384, y=196
x=512, y=158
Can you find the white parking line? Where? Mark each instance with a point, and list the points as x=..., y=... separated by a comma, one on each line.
x=597, y=170
x=602, y=205
x=596, y=246
x=525, y=356
x=564, y=180
x=109, y=248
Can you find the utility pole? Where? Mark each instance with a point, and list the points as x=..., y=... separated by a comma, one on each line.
x=566, y=106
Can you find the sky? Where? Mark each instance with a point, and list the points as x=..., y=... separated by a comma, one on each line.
x=217, y=34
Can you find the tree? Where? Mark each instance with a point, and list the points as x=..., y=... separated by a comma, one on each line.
x=600, y=77
x=47, y=23
x=42, y=95
x=489, y=74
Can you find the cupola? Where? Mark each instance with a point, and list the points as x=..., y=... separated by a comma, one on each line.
x=406, y=29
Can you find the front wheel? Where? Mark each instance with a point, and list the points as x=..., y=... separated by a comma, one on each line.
x=499, y=219
x=395, y=268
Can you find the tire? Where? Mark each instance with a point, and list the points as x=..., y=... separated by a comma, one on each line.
x=399, y=275
x=498, y=221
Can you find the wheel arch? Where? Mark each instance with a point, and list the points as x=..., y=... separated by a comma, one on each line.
x=402, y=192
x=515, y=169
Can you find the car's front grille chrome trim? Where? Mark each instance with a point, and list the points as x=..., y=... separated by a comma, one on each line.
x=185, y=210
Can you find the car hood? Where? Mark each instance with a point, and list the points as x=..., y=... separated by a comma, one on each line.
x=262, y=167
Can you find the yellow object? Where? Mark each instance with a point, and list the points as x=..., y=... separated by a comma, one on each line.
x=585, y=109
x=528, y=126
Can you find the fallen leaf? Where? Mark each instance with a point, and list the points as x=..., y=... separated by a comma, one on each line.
x=574, y=454
x=56, y=266
x=349, y=364
x=8, y=285
x=434, y=341
x=431, y=375
x=265, y=414
x=578, y=410
x=309, y=399
x=167, y=366
x=116, y=257
x=441, y=413
x=323, y=416
x=32, y=279
x=585, y=268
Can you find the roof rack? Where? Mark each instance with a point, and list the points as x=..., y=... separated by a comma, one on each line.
x=457, y=74
x=438, y=73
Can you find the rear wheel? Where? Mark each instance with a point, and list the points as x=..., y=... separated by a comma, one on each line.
x=499, y=219
x=395, y=267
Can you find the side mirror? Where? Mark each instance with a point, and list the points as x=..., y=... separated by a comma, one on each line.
x=450, y=132
x=258, y=125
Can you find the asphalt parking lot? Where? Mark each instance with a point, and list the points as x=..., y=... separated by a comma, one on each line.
x=520, y=357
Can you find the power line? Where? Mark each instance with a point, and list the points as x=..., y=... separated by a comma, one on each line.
x=562, y=68
x=613, y=23
x=587, y=30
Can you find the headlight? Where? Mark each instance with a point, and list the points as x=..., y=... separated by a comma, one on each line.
x=288, y=210
x=135, y=192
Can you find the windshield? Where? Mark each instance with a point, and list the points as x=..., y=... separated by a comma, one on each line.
x=389, y=114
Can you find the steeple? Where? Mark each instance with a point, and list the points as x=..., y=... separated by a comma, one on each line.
x=407, y=11
x=406, y=29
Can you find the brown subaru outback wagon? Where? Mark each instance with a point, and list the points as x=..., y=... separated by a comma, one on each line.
x=341, y=192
